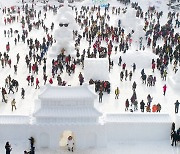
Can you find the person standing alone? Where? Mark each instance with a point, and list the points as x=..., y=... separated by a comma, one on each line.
x=177, y=106
x=8, y=148
x=13, y=104
x=100, y=96
x=164, y=89
x=117, y=93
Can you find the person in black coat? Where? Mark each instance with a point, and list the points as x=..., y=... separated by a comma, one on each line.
x=100, y=96
x=142, y=104
x=174, y=138
x=8, y=148
x=177, y=106
x=31, y=139
x=173, y=127
x=22, y=93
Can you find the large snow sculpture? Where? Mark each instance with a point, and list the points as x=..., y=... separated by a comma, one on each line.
x=64, y=33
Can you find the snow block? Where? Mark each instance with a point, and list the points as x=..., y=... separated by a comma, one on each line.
x=96, y=69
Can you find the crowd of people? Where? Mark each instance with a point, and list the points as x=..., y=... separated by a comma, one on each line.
x=95, y=30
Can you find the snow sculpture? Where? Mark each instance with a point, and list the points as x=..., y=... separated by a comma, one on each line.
x=96, y=69
x=64, y=34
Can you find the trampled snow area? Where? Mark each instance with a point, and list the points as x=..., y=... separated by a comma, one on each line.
x=25, y=107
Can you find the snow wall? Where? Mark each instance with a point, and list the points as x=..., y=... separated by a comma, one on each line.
x=138, y=127
x=116, y=128
x=85, y=136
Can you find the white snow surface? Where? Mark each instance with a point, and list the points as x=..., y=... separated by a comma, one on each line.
x=142, y=59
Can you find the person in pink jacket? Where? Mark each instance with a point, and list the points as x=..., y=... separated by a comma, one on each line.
x=164, y=89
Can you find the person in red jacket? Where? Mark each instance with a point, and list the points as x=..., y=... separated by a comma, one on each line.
x=50, y=81
x=5, y=21
x=153, y=66
x=37, y=83
x=124, y=66
x=7, y=47
x=28, y=79
x=164, y=89
x=33, y=68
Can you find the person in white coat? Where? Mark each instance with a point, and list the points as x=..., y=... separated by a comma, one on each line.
x=70, y=143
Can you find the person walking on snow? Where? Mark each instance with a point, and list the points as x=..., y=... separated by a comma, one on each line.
x=100, y=96
x=174, y=137
x=37, y=83
x=134, y=67
x=149, y=100
x=22, y=93
x=4, y=93
x=134, y=86
x=164, y=89
x=50, y=81
x=8, y=148
x=28, y=79
x=176, y=106
x=70, y=143
x=13, y=104
x=117, y=93
x=142, y=105
x=127, y=105
x=173, y=127
x=32, y=80
x=10, y=88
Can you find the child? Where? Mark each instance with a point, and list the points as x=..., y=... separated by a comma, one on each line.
x=70, y=143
